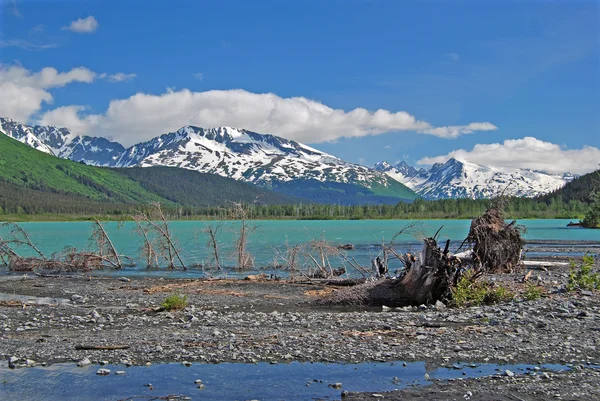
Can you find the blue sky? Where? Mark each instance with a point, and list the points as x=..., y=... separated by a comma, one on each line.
x=525, y=72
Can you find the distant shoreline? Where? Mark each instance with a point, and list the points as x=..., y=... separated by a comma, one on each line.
x=74, y=218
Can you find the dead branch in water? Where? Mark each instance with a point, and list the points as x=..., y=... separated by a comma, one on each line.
x=156, y=225
x=147, y=249
x=105, y=245
x=245, y=260
x=212, y=243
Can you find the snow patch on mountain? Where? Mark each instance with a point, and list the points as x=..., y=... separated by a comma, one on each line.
x=462, y=179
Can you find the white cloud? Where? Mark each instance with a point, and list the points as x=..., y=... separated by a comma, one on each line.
x=119, y=77
x=454, y=131
x=199, y=76
x=83, y=25
x=40, y=28
x=143, y=116
x=23, y=92
x=26, y=45
x=67, y=116
x=527, y=153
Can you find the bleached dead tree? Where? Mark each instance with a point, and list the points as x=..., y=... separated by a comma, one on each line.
x=158, y=239
x=105, y=247
x=213, y=230
x=147, y=249
x=244, y=259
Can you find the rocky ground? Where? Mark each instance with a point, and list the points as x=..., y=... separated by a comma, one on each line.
x=277, y=321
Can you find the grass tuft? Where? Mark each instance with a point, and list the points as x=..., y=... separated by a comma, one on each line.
x=175, y=302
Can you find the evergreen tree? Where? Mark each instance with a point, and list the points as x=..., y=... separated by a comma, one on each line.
x=592, y=217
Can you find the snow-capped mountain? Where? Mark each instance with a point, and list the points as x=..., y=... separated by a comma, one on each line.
x=265, y=160
x=404, y=173
x=60, y=142
x=461, y=179
x=245, y=155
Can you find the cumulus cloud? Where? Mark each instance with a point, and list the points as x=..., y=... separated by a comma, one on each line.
x=527, y=153
x=68, y=116
x=23, y=92
x=83, y=25
x=118, y=77
x=143, y=116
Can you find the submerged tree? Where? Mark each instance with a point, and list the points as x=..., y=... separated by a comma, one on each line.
x=244, y=259
x=157, y=236
x=213, y=230
x=105, y=248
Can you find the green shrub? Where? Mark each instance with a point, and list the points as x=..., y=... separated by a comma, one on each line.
x=582, y=278
x=533, y=292
x=469, y=292
x=175, y=302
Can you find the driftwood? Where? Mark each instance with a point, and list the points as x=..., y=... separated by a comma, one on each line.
x=428, y=279
x=495, y=243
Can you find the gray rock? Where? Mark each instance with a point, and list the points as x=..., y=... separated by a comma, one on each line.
x=77, y=298
x=509, y=373
x=84, y=362
x=103, y=372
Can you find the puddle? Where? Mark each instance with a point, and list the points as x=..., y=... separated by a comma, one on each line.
x=230, y=381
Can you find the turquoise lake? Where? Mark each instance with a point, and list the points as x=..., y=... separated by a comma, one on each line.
x=271, y=238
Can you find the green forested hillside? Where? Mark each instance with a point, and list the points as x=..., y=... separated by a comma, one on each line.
x=35, y=182
x=26, y=171
x=579, y=189
x=191, y=188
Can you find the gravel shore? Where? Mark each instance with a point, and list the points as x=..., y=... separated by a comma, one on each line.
x=51, y=319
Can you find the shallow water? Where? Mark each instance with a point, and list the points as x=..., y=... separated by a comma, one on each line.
x=272, y=238
x=229, y=381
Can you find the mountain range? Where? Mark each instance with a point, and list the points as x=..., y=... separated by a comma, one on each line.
x=266, y=161
x=289, y=167
x=462, y=179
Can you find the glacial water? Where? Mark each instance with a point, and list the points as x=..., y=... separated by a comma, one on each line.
x=270, y=239
x=230, y=381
